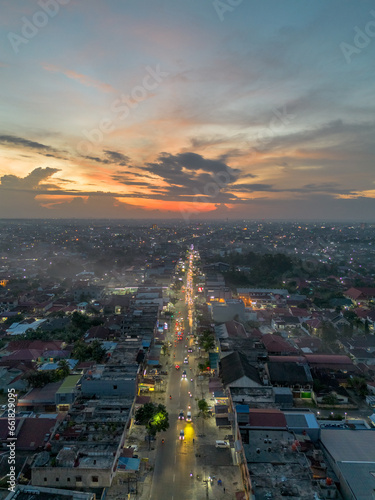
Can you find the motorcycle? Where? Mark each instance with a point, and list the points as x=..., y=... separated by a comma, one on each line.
x=162, y=441
x=170, y=397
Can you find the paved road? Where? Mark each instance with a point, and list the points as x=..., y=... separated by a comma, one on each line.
x=175, y=459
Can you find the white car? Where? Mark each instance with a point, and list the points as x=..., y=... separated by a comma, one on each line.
x=186, y=361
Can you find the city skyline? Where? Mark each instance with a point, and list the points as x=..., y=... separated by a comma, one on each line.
x=217, y=109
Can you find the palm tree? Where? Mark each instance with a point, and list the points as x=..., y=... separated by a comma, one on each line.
x=63, y=368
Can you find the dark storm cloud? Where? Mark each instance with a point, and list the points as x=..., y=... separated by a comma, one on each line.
x=190, y=169
x=250, y=188
x=128, y=182
x=116, y=157
x=20, y=142
x=110, y=158
x=31, y=181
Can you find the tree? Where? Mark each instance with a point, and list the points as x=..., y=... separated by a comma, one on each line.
x=63, y=369
x=87, y=352
x=154, y=417
x=80, y=321
x=207, y=340
x=359, y=384
x=208, y=344
x=204, y=365
x=159, y=421
x=203, y=407
x=330, y=399
x=350, y=315
x=165, y=349
x=329, y=332
x=145, y=413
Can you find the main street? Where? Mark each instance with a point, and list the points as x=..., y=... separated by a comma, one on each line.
x=175, y=459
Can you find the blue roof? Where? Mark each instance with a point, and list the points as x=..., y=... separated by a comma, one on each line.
x=53, y=366
x=242, y=409
x=152, y=361
x=146, y=343
x=129, y=464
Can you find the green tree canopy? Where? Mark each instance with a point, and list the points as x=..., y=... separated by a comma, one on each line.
x=203, y=406
x=154, y=417
x=87, y=352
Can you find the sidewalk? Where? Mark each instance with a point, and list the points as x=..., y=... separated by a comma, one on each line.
x=214, y=462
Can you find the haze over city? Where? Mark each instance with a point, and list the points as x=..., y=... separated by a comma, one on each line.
x=199, y=109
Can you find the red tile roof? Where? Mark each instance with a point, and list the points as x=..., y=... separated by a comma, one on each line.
x=274, y=343
x=41, y=345
x=267, y=418
x=23, y=355
x=33, y=432
x=235, y=329
x=336, y=359
x=299, y=312
x=360, y=292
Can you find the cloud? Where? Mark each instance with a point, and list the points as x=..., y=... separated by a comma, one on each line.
x=85, y=80
x=118, y=158
x=334, y=132
x=20, y=142
x=110, y=157
x=30, y=182
x=250, y=188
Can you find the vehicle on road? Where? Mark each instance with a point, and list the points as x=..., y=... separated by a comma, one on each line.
x=184, y=374
x=177, y=367
x=190, y=349
x=188, y=416
x=182, y=434
x=222, y=444
x=181, y=415
x=186, y=361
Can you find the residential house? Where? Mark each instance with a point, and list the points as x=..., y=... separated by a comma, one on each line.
x=277, y=346
x=361, y=295
x=295, y=375
x=236, y=371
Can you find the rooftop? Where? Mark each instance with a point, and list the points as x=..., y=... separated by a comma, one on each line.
x=69, y=384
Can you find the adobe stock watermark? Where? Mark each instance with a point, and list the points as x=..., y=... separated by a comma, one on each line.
x=121, y=107
x=31, y=27
x=11, y=439
x=361, y=39
x=221, y=7
x=280, y=118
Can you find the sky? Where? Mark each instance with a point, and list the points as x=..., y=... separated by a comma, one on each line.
x=189, y=109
